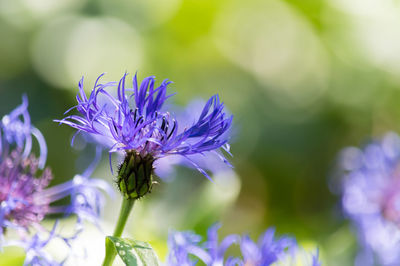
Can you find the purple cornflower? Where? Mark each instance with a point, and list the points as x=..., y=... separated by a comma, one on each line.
x=272, y=251
x=21, y=186
x=25, y=198
x=371, y=198
x=182, y=244
x=185, y=249
x=135, y=122
x=267, y=251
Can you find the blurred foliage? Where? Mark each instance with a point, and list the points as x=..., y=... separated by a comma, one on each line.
x=302, y=78
x=14, y=256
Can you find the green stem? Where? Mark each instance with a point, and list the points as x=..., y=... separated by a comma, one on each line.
x=126, y=208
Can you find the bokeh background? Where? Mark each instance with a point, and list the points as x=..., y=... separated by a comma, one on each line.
x=303, y=78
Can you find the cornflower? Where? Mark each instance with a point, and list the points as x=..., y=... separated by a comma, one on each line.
x=185, y=248
x=25, y=198
x=135, y=123
x=270, y=250
x=370, y=188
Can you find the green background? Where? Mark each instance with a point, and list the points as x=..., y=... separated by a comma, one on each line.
x=303, y=79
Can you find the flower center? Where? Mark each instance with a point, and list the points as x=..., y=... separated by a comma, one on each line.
x=19, y=189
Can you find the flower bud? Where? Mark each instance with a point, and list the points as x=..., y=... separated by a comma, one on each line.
x=135, y=175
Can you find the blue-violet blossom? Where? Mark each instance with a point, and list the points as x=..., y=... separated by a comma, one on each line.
x=135, y=122
x=370, y=187
x=186, y=249
x=25, y=198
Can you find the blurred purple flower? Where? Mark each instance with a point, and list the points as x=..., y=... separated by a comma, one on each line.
x=180, y=243
x=134, y=120
x=268, y=250
x=185, y=249
x=271, y=251
x=24, y=197
x=371, y=198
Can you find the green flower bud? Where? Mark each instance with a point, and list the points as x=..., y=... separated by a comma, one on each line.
x=135, y=175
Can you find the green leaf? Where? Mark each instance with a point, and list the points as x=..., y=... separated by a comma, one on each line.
x=133, y=252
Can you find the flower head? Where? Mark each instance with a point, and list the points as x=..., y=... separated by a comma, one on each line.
x=371, y=198
x=181, y=244
x=275, y=251
x=185, y=248
x=22, y=182
x=25, y=198
x=135, y=122
x=267, y=251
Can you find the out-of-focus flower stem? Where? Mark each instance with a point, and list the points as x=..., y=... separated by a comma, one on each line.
x=126, y=208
